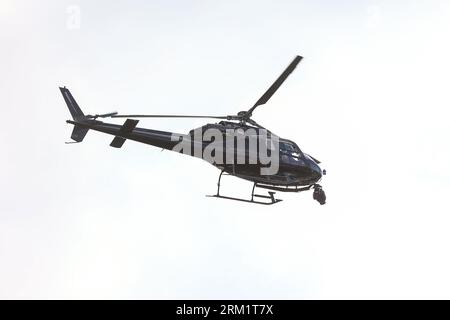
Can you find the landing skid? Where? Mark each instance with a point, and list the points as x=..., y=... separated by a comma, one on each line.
x=273, y=201
x=270, y=197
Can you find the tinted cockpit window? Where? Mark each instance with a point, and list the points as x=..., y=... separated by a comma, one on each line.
x=287, y=147
x=290, y=148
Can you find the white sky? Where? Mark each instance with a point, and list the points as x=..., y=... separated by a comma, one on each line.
x=370, y=100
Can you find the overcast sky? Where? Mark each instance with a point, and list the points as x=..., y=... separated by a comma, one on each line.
x=370, y=100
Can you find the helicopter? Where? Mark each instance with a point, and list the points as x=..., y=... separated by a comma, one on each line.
x=251, y=158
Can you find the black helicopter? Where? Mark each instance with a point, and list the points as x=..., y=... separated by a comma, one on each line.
x=296, y=172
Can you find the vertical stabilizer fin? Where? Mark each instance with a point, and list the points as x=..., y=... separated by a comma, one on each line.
x=74, y=109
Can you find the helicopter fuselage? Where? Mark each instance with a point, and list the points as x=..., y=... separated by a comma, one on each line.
x=258, y=155
x=295, y=168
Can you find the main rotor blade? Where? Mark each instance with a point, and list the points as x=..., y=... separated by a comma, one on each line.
x=164, y=116
x=274, y=87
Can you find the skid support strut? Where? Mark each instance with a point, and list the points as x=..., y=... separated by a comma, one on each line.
x=270, y=197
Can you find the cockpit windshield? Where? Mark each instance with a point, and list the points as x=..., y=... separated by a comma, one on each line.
x=290, y=148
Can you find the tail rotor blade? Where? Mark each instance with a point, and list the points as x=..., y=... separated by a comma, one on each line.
x=105, y=115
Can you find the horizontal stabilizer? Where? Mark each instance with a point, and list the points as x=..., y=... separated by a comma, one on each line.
x=127, y=128
x=117, y=142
